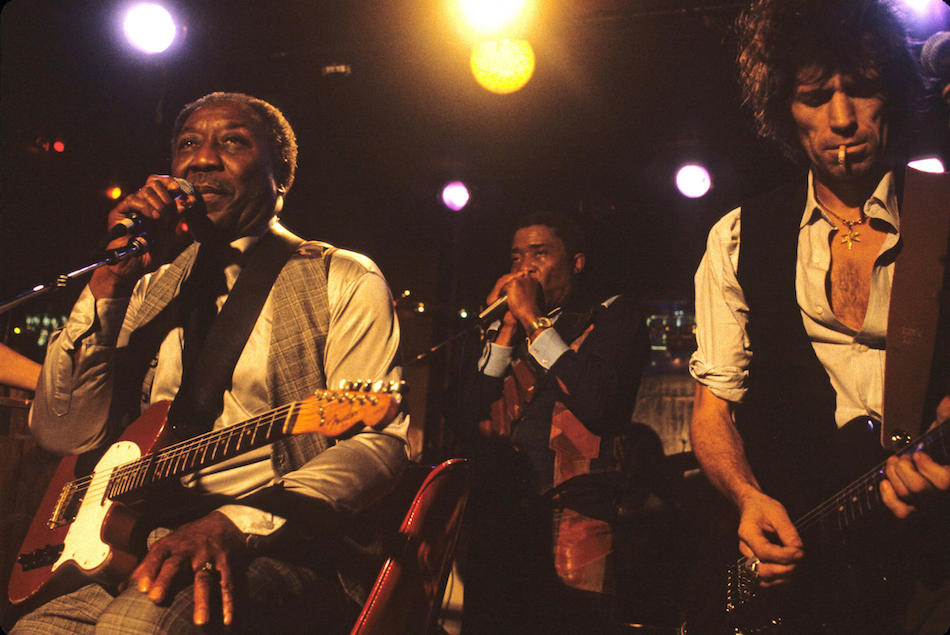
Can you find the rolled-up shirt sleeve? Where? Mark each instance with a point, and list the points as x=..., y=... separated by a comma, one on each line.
x=721, y=360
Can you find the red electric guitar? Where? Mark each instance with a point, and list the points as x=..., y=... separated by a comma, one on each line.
x=87, y=527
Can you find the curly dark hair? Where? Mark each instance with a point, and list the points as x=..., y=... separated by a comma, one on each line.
x=283, y=141
x=864, y=38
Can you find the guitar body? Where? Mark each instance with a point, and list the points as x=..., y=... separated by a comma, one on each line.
x=97, y=544
x=859, y=564
x=92, y=524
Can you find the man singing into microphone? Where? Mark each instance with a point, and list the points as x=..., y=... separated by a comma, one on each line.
x=554, y=389
x=265, y=558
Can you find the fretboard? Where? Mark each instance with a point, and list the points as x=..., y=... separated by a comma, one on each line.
x=198, y=452
x=863, y=496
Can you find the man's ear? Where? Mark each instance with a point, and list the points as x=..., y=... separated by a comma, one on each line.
x=579, y=261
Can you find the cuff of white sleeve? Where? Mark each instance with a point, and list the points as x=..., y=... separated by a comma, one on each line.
x=547, y=347
x=100, y=319
x=495, y=360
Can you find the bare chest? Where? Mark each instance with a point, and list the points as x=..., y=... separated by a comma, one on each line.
x=849, y=278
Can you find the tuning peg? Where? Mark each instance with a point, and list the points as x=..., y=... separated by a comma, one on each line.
x=397, y=386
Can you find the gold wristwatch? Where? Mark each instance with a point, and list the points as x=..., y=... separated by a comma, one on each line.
x=542, y=322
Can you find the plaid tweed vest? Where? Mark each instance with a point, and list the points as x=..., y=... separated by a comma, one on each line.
x=301, y=319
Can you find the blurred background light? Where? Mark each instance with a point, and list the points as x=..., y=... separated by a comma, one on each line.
x=114, y=192
x=930, y=164
x=494, y=18
x=149, y=27
x=455, y=195
x=920, y=5
x=502, y=66
x=693, y=181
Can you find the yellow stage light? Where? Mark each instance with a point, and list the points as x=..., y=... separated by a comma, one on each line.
x=493, y=17
x=502, y=66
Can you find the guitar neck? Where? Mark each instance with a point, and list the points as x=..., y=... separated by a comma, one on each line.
x=201, y=451
x=863, y=496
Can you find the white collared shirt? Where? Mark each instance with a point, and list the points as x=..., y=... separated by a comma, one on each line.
x=853, y=359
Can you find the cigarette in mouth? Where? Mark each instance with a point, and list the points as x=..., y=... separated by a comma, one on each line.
x=842, y=154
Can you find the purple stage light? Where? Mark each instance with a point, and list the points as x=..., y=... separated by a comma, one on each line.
x=455, y=195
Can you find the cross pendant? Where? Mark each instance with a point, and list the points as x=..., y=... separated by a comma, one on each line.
x=850, y=238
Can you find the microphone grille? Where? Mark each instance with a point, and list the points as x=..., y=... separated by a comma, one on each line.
x=935, y=55
x=186, y=186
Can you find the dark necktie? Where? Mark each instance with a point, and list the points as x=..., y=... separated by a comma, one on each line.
x=199, y=295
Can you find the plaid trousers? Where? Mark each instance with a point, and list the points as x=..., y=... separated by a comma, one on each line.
x=277, y=597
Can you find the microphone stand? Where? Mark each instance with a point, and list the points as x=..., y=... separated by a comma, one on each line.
x=135, y=247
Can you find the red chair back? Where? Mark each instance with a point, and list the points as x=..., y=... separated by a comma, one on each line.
x=407, y=595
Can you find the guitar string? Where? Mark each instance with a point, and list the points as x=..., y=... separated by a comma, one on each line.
x=182, y=447
x=861, y=483
x=197, y=445
x=925, y=441
x=185, y=447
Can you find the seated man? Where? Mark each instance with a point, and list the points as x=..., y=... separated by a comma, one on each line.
x=267, y=557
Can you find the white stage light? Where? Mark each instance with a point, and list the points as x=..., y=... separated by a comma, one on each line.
x=149, y=27
x=693, y=181
x=931, y=164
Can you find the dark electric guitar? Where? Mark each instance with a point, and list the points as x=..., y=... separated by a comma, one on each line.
x=844, y=546
x=87, y=528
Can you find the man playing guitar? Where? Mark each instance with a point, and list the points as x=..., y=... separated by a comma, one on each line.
x=792, y=293
x=266, y=557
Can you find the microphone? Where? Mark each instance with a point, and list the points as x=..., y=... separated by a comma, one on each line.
x=935, y=56
x=493, y=311
x=134, y=224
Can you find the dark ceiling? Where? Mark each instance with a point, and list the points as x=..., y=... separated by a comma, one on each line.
x=622, y=93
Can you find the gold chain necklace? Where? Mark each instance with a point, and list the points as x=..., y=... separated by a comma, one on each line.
x=852, y=236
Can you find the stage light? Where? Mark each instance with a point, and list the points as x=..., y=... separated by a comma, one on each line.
x=149, y=27
x=492, y=18
x=59, y=146
x=930, y=164
x=455, y=195
x=114, y=192
x=502, y=66
x=920, y=6
x=693, y=181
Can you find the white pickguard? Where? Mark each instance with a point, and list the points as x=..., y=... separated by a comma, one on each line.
x=83, y=544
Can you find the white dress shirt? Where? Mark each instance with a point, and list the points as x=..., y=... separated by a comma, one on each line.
x=853, y=359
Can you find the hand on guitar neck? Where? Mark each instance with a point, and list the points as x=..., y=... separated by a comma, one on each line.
x=913, y=480
x=208, y=552
x=768, y=536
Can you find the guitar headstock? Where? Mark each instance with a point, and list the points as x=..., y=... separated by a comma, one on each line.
x=334, y=413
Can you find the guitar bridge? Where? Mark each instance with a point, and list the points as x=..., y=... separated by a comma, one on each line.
x=740, y=587
x=67, y=506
